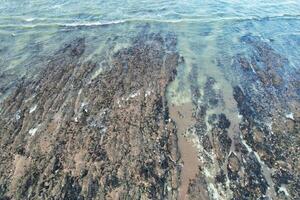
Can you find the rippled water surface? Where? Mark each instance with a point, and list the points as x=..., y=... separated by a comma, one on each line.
x=206, y=30
x=210, y=34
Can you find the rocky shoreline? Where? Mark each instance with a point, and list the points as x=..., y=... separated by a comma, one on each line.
x=89, y=130
x=71, y=135
x=255, y=153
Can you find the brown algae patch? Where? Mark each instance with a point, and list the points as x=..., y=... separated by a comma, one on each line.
x=183, y=116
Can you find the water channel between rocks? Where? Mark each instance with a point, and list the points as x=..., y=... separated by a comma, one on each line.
x=182, y=115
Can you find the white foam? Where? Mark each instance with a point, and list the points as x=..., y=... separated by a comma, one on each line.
x=169, y=188
x=265, y=169
x=94, y=23
x=83, y=104
x=148, y=93
x=134, y=94
x=270, y=127
x=240, y=116
x=97, y=73
x=118, y=102
x=29, y=19
x=17, y=115
x=246, y=145
x=33, y=108
x=213, y=191
x=290, y=116
x=253, y=70
x=79, y=92
x=208, y=173
x=32, y=131
x=283, y=189
x=255, y=153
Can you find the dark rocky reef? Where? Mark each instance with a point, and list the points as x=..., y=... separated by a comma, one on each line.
x=268, y=100
x=82, y=132
x=249, y=150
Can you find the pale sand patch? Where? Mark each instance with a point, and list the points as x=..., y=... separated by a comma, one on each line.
x=182, y=115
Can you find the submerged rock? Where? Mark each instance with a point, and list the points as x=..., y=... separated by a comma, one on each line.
x=88, y=130
x=264, y=127
x=98, y=137
x=252, y=153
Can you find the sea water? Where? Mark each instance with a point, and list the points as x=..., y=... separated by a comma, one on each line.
x=208, y=32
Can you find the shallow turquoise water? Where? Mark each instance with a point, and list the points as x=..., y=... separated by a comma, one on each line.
x=208, y=31
x=209, y=37
x=38, y=26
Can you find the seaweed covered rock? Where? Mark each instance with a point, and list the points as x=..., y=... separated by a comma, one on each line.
x=80, y=132
x=268, y=101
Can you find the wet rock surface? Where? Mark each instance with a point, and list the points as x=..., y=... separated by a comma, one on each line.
x=248, y=147
x=72, y=135
x=270, y=116
x=211, y=135
x=101, y=128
